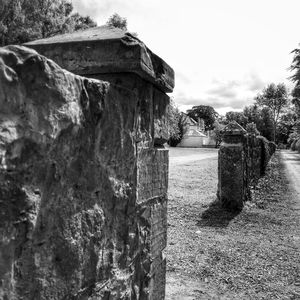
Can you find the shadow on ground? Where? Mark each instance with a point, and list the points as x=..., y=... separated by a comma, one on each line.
x=216, y=216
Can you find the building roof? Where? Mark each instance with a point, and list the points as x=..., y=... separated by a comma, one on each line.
x=194, y=132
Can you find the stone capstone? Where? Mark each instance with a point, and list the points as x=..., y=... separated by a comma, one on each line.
x=106, y=50
x=83, y=180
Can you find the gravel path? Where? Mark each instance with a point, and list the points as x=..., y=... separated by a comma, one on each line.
x=291, y=161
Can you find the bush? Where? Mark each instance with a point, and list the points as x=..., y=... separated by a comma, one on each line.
x=297, y=145
x=267, y=150
x=293, y=145
x=272, y=147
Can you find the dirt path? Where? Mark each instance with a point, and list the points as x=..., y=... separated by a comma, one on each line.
x=291, y=161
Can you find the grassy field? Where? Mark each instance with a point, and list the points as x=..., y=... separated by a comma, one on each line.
x=216, y=254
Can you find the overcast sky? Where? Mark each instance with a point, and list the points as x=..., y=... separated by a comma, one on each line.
x=223, y=51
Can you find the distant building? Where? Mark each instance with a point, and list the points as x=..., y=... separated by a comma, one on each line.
x=196, y=136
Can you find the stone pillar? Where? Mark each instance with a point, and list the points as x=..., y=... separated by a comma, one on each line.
x=232, y=167
x=84, y=173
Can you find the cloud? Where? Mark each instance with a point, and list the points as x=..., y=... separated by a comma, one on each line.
x=182, y=77
x=255, y=83
x=223, y=93
x=215, y=102
x=230, y=94
x=224, y=89
x=100, y=10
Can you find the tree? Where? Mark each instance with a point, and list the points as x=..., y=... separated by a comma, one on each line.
x=261, y=117
x=274, y=97
x=295, y=66
x=177, y=125
x=237, y=116
x=25, y=20
x=251, y=128
x=265, y=123
x=217, y=132
x=287, y=124
x=205, y=112
x=78, y=22
x=117, y=21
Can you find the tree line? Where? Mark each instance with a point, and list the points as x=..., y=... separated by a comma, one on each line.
x=275, y=113
x=26, y=20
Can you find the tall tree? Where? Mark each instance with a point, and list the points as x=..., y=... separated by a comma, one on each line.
x=251, y=128
x=261, y=117
x=295, y=67
x=117, y=21
x=79, y=22
x=217, y=133
x=177, y=125
x=274, y=97
x=286, y=125
x=25, y=20
x=205, y=112
x=237, y=116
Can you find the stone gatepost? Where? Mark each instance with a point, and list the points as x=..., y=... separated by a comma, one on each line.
x=232, y=167
x=84, y=164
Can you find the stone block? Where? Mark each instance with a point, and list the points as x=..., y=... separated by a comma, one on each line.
x=102, y=50
x=231, y=176
x=83, y=173
x=153, y=228
x=152, y=173
x=158, y=278
x=161, y=121
x=69, y=168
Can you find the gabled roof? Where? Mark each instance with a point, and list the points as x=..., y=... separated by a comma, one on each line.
x=194, y=132
x=189, y=120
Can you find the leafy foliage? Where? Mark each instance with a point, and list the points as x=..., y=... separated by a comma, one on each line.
x=177, y=125
x=78, y=22
x=117, y=21
x=216, y=133
x=274, y=97
x=25, y=20
x=252, y=129
x=205, y=112
x=239, y=117
x=295, y=66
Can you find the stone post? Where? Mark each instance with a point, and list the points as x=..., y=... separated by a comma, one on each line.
x=84, y=173
x=232, y=167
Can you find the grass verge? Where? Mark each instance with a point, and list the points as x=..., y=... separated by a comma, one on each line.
x=224, y=255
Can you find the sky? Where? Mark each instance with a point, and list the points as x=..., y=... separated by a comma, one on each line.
x=223, y=52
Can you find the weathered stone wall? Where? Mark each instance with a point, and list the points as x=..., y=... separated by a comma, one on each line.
x=243, y=159
x=83, y=188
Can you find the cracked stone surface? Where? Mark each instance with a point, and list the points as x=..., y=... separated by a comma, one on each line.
x=83, y=190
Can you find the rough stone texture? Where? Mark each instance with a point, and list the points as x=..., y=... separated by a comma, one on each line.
x=231, y=167
x=103, y=50
x=243, y=159
x=83, y=190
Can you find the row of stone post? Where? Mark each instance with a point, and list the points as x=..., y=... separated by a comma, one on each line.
x=243, y=159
